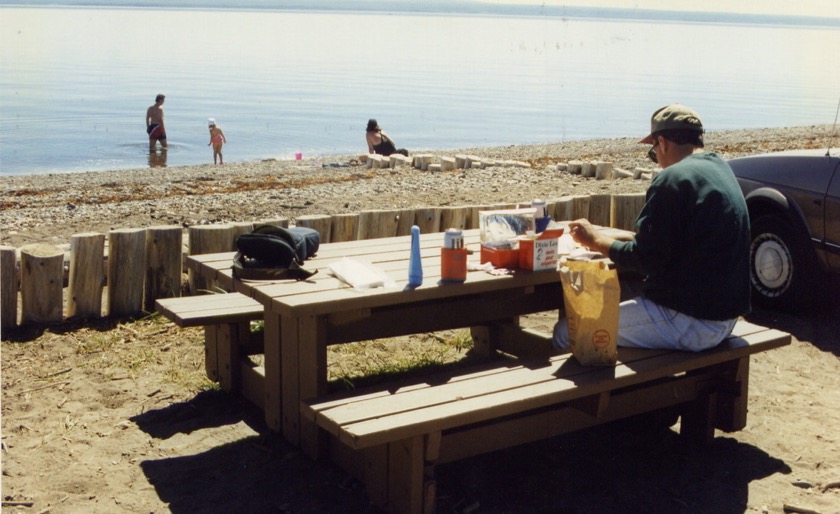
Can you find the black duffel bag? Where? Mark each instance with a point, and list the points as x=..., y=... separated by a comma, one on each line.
x=275, y=253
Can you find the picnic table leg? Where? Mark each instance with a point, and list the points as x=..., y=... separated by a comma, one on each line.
x=406, y=477
x=272, y=387
x=732, y=401
x=486, y=340
x=229, y=340
x=211, y=361
x=312, y=380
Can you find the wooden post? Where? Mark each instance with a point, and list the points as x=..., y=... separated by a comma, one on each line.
x=378, y=223
x=580, y=207
x=216, y=238
x=587, y=169
x=625, y=209
x=126, y=266
x=427, y=219
x=575, y=167
x=41, y=283
x=320, y=222
x=87, y=275
x=599, y=209
x=398, y=160
x=239, y=228
x=345, y=227
x=9, y=283
x=454, y=217
x=603, y=170
x=405, y=220
x=278, y=222
x=422, y=161
x=447, y=163
x=163, y=264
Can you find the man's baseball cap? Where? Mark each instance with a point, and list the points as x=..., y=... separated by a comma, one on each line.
x=672, y=117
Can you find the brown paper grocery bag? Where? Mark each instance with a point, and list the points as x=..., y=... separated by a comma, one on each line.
x=591, y=294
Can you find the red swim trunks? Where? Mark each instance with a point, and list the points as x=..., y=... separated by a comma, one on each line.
x=156, y=132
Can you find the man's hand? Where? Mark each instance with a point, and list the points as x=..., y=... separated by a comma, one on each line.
x=584, y=233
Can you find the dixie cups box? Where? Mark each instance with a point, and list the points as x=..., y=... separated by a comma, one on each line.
x=540, y=253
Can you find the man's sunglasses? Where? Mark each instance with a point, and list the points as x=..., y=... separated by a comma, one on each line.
x=652, y=152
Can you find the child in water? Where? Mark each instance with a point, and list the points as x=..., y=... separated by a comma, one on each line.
x=217, y=139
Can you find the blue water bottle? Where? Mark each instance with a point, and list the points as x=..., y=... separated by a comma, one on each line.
x=415, y=267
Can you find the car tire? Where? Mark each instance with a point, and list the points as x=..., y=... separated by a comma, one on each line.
x=783, y=267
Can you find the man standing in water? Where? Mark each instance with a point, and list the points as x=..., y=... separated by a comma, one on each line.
x=154, y=124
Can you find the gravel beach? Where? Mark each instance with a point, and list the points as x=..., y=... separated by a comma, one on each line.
x=50, y=208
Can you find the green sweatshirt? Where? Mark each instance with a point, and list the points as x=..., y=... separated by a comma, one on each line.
x=692, y=240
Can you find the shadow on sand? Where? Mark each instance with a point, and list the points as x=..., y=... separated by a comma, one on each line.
x=614, y=468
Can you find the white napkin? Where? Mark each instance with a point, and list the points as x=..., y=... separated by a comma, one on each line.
x=360, y=274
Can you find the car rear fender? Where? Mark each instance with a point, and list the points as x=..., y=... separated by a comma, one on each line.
x=766, y=200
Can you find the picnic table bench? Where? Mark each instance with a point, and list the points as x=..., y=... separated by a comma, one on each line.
x=226, y=319
x=392, y=438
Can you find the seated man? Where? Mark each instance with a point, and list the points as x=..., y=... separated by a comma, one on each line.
x=692, y=244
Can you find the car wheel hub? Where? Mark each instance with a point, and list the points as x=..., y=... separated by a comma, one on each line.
x=772, y=264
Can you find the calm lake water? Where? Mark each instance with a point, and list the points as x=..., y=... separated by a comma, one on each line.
x=76, y=82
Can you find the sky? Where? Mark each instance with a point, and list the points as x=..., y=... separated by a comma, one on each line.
x=822, y=8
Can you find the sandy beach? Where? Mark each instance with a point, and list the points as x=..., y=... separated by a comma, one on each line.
x=117, y=417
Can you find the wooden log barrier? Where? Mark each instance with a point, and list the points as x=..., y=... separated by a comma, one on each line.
x=599, y=209
x=428, y=219
x=587, y=169
x=422, y=161
x=237, y=229
x=344, y=227
x=87, y=275
x=551, y=207
x=41, y=283
x=376, y=162
x=374, y=224
x=603, y=170
x=163, y=264
x=625, y=208
x=405, y=220
x=621, y=173
x=454, y=217
x=579, y=207
x=473, y=161
x=398, y=160
x=447, y=163
x=460, y=161
x=277, y=222
x=320, y=222
x=575, y=167
x=9, y=283
x=126, y=271
x=216, y=238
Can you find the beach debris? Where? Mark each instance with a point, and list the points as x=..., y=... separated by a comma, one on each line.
x=794, y=509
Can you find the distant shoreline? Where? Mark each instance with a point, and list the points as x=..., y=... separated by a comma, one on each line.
x=722, y=138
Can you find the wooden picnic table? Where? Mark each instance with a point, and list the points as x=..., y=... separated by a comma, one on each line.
x=302, y=318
